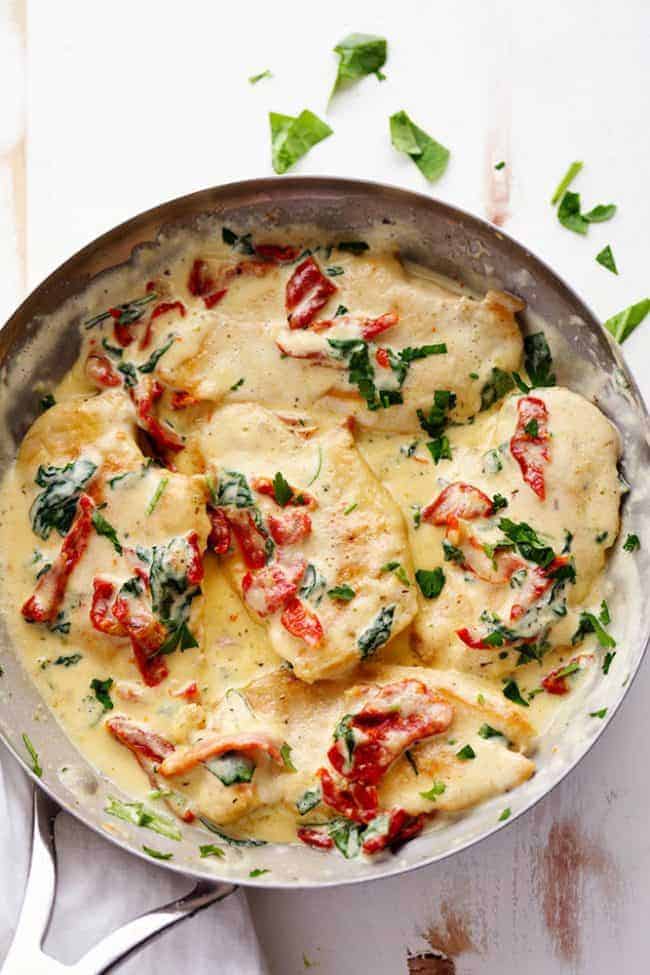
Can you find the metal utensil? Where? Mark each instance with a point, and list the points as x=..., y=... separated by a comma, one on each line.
x=433, y=235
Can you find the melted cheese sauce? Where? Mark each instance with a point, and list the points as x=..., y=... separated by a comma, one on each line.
x=258, y=406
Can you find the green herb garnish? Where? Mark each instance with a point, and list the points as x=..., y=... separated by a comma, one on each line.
x=211, y=850
x=254, y=78
x=498, y=385
x=566, y=181
x=258, y=872
x=101, y=689
x=155, y=356
x=37, y=768
x=68, y=661
x=46, y=402
x=623, y=324
x=606, y=258
x=607, y=662
x=353, y=247
x=285, y=753
x=429, y=156
x=512, y=692
x=632, y=543
x=56, y=506
x=342, y=593
x=359, y=55
x=292, y=138
x=157, y=495
x=598, y=714
x=538, y=360
x=156, y=854
x=466, y=753
x=282, y=492
x=527, y=542
x=377, y=633
x=505, y=814
x=139, y=815
x=487, y=731
x=308, y=801
x=436, y=790
x=589, y=623
x=104, y=527
x=430, y=581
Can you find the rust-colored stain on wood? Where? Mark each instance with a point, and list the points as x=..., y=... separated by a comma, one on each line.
x=565, y=863
x=452, y=936
x=428, y=963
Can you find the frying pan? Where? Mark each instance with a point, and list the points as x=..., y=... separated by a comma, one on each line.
x=434, y=236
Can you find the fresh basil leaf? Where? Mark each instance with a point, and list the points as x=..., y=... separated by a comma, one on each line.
x=101, y=689
x=103, y=527
x=623, y=324
x=155, y=356
x=211, y=850
x=233, y=489
x=452, y=553
x=600, y=213
x=285, y=753
x=342, y=593
x=435, y=421
x=589, y=623
x=258, y=872
x=359, y=56
x=292, y=138
x=606, y=259
x=254, y=78
x=430, y=581
x=429, y=156
x=598, y=714
x=114, y=351
x=505, y=814
x=527, y=541
x=569, y=213
x=346, y=836
x=377, y=633
x=37, y=768
x=56, y=506
x=538, y=360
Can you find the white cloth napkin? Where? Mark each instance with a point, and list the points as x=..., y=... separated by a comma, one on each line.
x=101, y=887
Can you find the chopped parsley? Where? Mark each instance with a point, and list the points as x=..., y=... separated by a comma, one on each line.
x=157, y=495
x=359, y=55
x=606, y=259
x=37, y=768
x=498, y=502
x=342, y=593
x=104, y=527
x=632, y=543
x=341, y=310
x=505, y=814
x=623, y=324
x=258, y=872
x=466, y=753
x=608, y=660
x=101, y=690
x=282, y=492
x=430, y=581
x=378, y=633
x=429, y=156
x=436, y=790
x=598, y=714
x=292, y=137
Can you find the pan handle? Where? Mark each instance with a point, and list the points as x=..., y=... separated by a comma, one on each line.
x=26, y=956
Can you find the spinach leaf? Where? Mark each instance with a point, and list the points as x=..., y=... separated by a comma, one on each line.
x=496, y=387
x=431, y=582
x=55, y=507
x=230, y=840
x=527, y=541
x=101, y=689
x=130, y=375
x=344, y=731
x=346, y=836
x=440, y=449
x=242, y=243
x=569, y=213
x=623, y=324
x=130, y=311
x=282, y=491
x=589, y=623
x=606, y=259
x=156, y=854
x=313, y=585
x=292, y=138
x=342, y=593
x=231, y=768
x=308, y=801
x=429, y=156
x=171, y=592
x=233, y=489
x=435, y=421
x=359, y=55
x=104, y=527
x=157, y=354
x=377, y=633
x=37, y=768
x=538, y=360
x=600, y=213
x=139, y=815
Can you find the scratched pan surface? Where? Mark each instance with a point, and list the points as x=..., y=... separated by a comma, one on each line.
x=435, y=236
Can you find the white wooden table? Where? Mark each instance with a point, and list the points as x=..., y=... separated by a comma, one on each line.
x=111, y=107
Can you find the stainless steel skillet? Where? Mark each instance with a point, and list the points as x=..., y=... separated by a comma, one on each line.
x=432, y=235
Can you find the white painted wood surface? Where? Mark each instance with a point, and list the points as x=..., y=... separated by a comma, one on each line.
x=111, y=107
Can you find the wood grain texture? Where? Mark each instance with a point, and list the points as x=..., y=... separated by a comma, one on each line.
x=566, y=889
